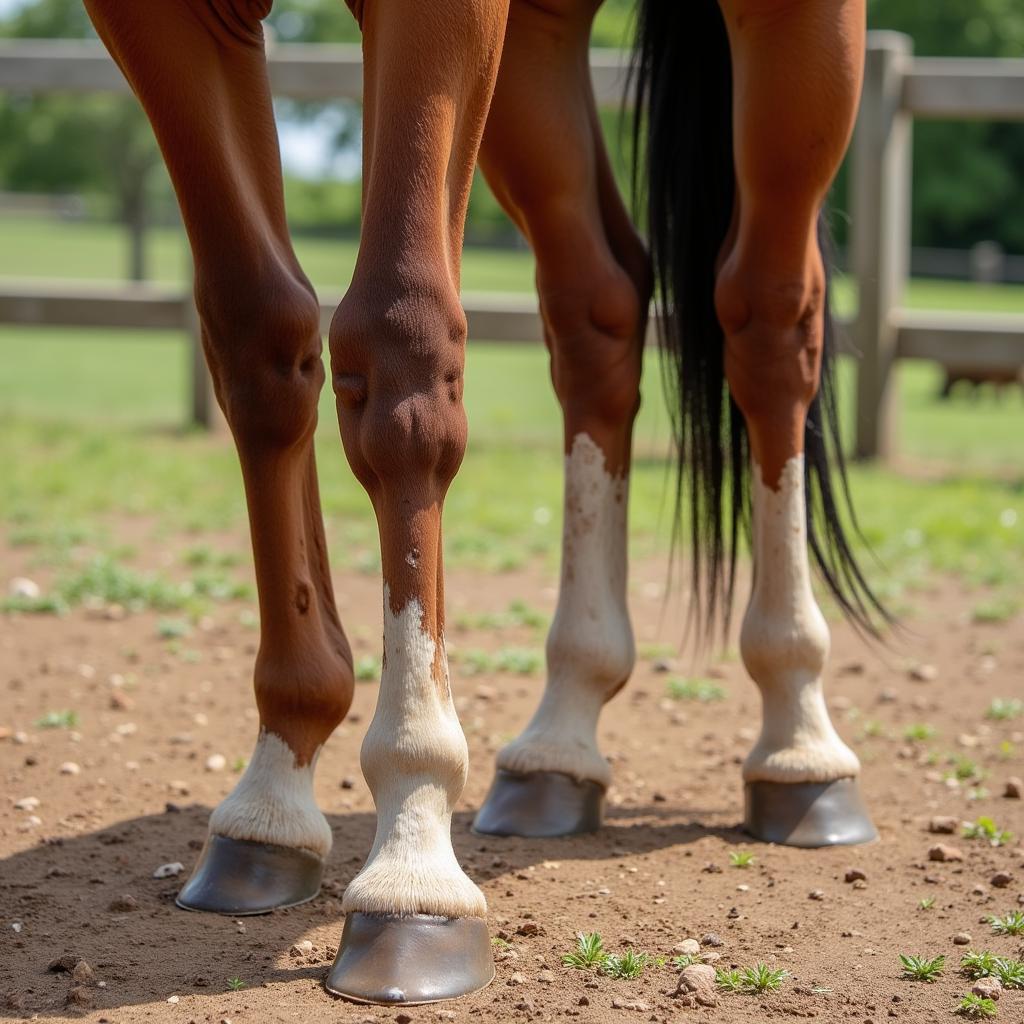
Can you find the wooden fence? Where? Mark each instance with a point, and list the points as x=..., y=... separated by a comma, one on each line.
x=897, y=89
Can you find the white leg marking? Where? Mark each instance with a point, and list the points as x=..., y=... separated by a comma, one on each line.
x=590, y=651
x=415, y=760
x=273, y=801
x=785, y=642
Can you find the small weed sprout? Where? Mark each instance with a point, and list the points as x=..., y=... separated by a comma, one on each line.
x=684, y=960
x=1009, y=972
x=741, y=858
x=918, y=968
x=1010, y=924
x=235, y=984
x=928, y=903
x=58, y=720
x=986, y=829
x=701, y=690
x=918, y=732
x=627, y=965
x=589, y=953
x=1002, y=710
x=729, y=980
x=367, y=669
x=978, y=964
x=976, y=1006
x=761, y=978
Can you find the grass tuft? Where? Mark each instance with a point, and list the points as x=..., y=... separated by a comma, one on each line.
x=589, y=953
x=741, y=858
x=702, y=690
x=1010, y=924
x=918, y=968
x=976, y=1006
x=626, y=965
x=986, y=829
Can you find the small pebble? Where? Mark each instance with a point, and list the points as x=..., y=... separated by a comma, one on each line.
x=516, y=978
x=70, y=768
x=962, y=939
x=988, y=988
x=546, y=977
x=123, y=904
x=855, y=875
x=629, y=1004
x=1001, y=879
x=23, y=587
x=944, y=854
x=216, y=763
x=83, y=974
x=688, y=947
x=1013, y=788
x=302, y=948
x=27, y=803
x=943, y=824
x=816, y=894
x=711, y=939
x=171, y=870
x=924, y=673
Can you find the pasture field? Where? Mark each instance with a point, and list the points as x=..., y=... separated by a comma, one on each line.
x=134, y=666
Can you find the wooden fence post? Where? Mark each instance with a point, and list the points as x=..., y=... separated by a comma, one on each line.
x=880, y=235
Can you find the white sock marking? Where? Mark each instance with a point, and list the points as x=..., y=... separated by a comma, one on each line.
x=415, y=760
x=590, y=651
x=273, y=801
x=784, y=643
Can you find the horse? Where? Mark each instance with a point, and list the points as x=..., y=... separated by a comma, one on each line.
x=745, y=109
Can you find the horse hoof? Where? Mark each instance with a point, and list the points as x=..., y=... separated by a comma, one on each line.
x=807, y=814
x=539, y=805
x=408, y=960
x=239, y=877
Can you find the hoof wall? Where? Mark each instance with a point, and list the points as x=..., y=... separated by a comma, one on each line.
x=540, y=805
x=408, y=960
x=807, y=814
x=238, y=877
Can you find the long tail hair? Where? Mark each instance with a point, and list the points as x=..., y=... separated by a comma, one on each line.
x=684, y=179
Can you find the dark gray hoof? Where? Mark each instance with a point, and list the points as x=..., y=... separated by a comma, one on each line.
x=238, y=877
x=539, y=805
x=807, y=813
x=415, y=959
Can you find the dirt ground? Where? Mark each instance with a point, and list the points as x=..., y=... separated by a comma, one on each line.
x=149, y=716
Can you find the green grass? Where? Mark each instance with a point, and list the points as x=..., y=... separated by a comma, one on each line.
x=987, y=830
x=976, y=1006
x=626, y=965
x=588, y=954
x=918, y=968
x=754, y=980
x=1011, y=923
x=701, y=690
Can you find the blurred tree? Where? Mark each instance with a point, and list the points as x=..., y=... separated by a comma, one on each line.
x=64, y=143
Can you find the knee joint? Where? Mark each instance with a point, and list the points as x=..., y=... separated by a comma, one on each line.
x=262, y=337
x=397, y=370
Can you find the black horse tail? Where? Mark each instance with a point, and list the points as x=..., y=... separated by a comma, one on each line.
x=684, y=181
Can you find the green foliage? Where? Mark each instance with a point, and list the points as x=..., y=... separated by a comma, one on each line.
x=236, y=984
x=701, y=690
x=58, y=720
x=367, y=669
x=589, y=953
x=927, y=903
x=729, y=979
x=741, y=858
x=986, y=829
x=919, y=732
x=1009, y=924
x=754, y=980
x=1009, y=972
x=976, y=1006
x=1002, y=710
x=918, y=968
x=625, y=965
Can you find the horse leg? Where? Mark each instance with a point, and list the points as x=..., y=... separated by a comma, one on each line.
x=800, y=777
x=593, y=285
x=260, y=325
x=415, y=928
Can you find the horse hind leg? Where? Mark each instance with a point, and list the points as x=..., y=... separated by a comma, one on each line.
x=592, y=283
x=800, y=778
x=267, y=840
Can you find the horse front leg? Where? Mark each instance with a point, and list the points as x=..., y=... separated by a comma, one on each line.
x=771, y=297
x=415, y=928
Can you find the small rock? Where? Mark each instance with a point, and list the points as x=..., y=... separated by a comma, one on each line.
x=816, y=894
x=961, y=939
x=485, y=693
x=516, y=978
x=173, y=1000
x=943, y=824
x=529, y=929
x=216, y=763
x=171, y=870
x=629, y=1004
x=924, y=673
x=1001, y=879
x=70, y=768
x=302, y=948
x=119, y=701
x=525, y=1004
x=1013, y=788
x=348, y=783
x=860, y=883
x=403, y=1018
x=65, y=963
x=979, y=890
x=583, y=1001
x=23, y=587
x=855, y=875
x=546, y=977
x=661, y=665
x=698, y=981
x=83, y=974
x=123, y=904
x=27, y=803
x=178, y=786
x=711, y=939
x=944, y=854
x=79, y=995
x=988, y=988
x=445, y=1015
x=688, y=947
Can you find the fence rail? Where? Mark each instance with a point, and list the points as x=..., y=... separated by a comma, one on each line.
x=897, y=88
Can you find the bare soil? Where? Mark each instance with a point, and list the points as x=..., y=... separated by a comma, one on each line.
x=151, y=712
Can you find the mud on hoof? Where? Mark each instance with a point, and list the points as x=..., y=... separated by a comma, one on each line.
x=807, y=814
x=539, y=805
x=410, y=959
x=239, y=877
